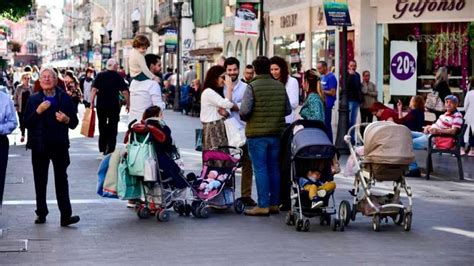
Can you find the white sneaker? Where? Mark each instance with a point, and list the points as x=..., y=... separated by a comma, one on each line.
x=316, y=204
x=321, y=193
x=101, y=156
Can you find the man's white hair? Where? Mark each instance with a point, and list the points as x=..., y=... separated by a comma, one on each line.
x=51, y=70
x=111, y=63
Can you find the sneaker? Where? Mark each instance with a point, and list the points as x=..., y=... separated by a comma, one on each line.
x=414, y=173
x=248, y=202
x=275, y=209
x=257, y=211
x=471, y=153
x=131, y=204
x=462, y=152
x=101, y=156
x=316, y=204
x=40, y=220
x=70, y=220
x=322, y=193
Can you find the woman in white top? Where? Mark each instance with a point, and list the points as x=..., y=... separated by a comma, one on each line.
x=279, y=70
x=212, y=105
x=469, y=118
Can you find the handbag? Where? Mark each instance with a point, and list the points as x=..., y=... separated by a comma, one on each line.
x=128, y=187
x=445, y=143
x=198, y=139
x=101, y=173
x=109, y=189
x=150, y=167
x=434, y=102
x=88, y=123
x=137, y=154
x=235, y=136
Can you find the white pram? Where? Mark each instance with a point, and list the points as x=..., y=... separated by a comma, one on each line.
x=387, y=153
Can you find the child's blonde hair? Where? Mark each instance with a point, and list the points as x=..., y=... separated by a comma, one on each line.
x=141, y=41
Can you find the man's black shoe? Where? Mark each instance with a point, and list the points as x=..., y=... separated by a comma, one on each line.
x=414, y=173
x=40, y=220
x=70, y=220
x=248, y=202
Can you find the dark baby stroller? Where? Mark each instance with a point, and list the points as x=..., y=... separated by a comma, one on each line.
x=170, y=186
x=387, y=153
x=311, y=149
x=223, y=164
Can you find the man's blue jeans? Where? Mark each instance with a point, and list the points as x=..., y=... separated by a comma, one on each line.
x=327, y=121
x=420, y=142
x=264, y=153
x=354, y=111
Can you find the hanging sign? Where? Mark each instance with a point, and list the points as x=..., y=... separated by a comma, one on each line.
x=171, y=40
x=403, y=56
x=337, y=13
x=246, y=22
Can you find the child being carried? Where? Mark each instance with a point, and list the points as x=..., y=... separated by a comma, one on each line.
x=317, y=189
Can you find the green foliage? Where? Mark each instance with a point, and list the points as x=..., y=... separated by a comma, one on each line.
x=15, y=9
x=16, y=47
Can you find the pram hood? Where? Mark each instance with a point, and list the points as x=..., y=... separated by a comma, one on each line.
x=312, y=143
x=388, y=143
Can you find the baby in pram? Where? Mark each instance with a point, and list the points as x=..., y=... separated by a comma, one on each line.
x=316, y=187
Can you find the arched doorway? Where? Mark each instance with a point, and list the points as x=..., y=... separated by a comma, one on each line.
x=249, y=55
x=229, y=51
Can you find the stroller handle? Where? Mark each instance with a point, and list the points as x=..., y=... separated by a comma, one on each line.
x=131, y=124
x=348, y=136
x=238, y=150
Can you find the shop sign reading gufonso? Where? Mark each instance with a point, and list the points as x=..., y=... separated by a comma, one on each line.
x=245, y=22
x=403, y=56
x=337, y=13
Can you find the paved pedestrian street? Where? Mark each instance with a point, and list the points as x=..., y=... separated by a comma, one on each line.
x=110, y=234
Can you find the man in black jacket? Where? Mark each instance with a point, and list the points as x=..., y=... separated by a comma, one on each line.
x=49, y=115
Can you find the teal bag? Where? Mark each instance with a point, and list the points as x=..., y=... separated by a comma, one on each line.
x=128, y=187
x=137, y=154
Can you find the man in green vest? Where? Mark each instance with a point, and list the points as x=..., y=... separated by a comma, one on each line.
x=264, y=107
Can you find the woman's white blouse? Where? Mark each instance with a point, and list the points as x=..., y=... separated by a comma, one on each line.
x=211, y=101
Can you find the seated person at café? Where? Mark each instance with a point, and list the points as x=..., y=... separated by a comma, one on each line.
x=383, y=113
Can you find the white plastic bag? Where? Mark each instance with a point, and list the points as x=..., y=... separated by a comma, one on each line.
x=235, y=135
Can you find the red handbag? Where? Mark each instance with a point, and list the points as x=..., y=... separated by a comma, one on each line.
x=445, y=143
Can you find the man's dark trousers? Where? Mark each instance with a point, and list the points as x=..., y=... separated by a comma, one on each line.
x=4, y=146
x=59, y=155
x=108, y=123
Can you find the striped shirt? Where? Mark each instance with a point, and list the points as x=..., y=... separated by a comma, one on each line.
x=449, y=120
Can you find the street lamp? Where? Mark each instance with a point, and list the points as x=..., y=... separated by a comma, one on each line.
x=135, y=17
x=102, y=34
x=178, y=4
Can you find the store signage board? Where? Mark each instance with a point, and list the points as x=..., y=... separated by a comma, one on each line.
x=403, y=56
x=337, y=13
x=171, y=40
x=245, y=21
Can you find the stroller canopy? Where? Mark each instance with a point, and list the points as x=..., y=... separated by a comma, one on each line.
x=312, y=143
x=388, y=143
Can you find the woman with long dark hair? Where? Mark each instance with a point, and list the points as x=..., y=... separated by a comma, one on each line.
x=441, y=86
x=415, y=118
x=213, y=129
x=72, y=88
x=313, y=107
x=280, y=71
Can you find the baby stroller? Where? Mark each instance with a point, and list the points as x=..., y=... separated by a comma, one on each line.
x=310, y=149
x=169, y=188
x=387, y=153
x=222, y=164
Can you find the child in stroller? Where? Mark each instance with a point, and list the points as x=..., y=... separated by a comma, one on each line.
x=316, y=188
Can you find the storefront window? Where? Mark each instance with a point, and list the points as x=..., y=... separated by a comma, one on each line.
x=291, y=48
x=324, y=44
x=249, y=52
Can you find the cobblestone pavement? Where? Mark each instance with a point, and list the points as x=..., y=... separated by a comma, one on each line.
x=109, y=233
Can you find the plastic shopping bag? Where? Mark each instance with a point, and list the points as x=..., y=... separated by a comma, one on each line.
x=235, y=135
x=128, y=187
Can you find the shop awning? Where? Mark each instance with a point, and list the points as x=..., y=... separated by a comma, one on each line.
x=64, y=63
x=206, y=51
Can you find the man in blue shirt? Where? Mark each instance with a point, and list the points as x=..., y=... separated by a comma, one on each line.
x=329, y=84
x=8, y=123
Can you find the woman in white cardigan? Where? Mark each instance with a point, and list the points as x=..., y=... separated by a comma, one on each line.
x=280, y=71
x=213, y=107
x=469, y=118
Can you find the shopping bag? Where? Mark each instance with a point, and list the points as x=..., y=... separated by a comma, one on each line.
x=109, y=189
x=128, y=187
x=198, y=139
x=137, y=154
x=434, y=102
x=101, y=172
x=150, y=168
x=445, y=143
x=235, y=135
x=88, y=123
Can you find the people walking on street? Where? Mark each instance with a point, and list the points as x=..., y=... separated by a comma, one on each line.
x=469, y=117
x=107, y=86
x=441, y=86
x=232, y=65
x=48, y=117
x=329, y=84
x=145, y=93
x=189, y=76
x=22, y=93
x=313, y=107
x=369, y=91
x=72, y=88
x=138, y=68
x=279, y=71
x=354, y=92
x=213, y=108
x=8, y=124
x=264, y=107
x=85, y=83
x=249, y=74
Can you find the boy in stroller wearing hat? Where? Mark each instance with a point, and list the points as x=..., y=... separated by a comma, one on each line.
x=315, y=186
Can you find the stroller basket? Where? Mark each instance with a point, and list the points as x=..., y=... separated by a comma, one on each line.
x=386, y=172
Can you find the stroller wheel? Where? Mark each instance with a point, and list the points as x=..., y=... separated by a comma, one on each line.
x=143, y=213
x=178, y=207
x=290, y=218
x=187, y=209
x=195, y=208
x=239, y=206
x=398, y=219
x=353, y=212
x=163, y=216
x=306, y=225
x=407, y=225
x=299, y=225
x=204, y=212
x=376, y=222
x=345, y=212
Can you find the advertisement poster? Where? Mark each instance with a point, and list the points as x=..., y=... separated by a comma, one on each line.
x=403, y=56
x=171, y=40
x=337, y=13
x=246, y=22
